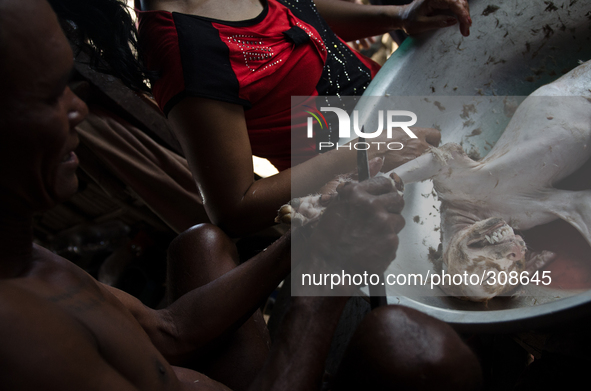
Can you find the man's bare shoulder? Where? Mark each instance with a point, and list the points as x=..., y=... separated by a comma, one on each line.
x=59, y=324
x=27, y=312
x=42, y=347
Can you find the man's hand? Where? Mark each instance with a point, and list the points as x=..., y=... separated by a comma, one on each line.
x=359, y=230
x=424, y=15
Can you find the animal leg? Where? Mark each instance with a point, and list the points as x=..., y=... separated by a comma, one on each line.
x=536, y=261
x=574, y=207
x=432, y=164
x=304, y=210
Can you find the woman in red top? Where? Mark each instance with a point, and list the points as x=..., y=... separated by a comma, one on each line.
x=227, y=70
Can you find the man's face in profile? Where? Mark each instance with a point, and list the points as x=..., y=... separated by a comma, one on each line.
x=38, y=110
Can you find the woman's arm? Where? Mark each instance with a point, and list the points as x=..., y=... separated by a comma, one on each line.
x=216, y=144
x=215, y=141
x=352, y=21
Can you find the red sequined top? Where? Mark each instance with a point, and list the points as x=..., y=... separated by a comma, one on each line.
x=288, y=50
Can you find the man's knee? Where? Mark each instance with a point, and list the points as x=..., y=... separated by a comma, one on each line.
x=401, y=348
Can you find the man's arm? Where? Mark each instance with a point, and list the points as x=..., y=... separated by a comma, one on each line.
x=352, y=21
x=196, y=318
x=343, y=237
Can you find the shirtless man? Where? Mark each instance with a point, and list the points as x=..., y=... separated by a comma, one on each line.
x=62, y=330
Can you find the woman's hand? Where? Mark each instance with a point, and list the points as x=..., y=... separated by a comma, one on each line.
x=352, y=21
x=424, y=15
x=413, y=147
x=362, y=44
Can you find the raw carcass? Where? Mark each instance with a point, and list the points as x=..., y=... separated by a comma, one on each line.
x=548, y=138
